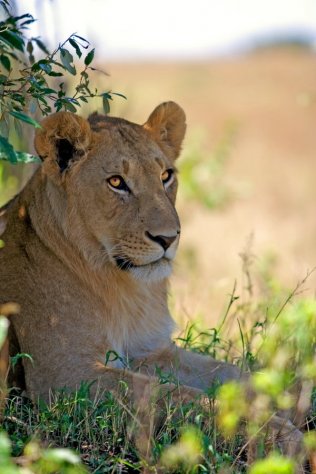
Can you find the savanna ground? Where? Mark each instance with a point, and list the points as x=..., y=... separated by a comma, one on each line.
x=247, y=205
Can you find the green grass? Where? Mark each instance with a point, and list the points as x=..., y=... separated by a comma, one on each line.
x=276, y=333
x=103, y=432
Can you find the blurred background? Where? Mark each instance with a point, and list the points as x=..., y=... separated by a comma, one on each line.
x=245, y=73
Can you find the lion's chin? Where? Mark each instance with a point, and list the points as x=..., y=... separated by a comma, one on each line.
x=154, y=271
x=151, y=272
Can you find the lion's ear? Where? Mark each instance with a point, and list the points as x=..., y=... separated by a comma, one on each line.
x=63, y=138
x=167, y=126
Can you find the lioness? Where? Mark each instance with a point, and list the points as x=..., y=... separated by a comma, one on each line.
x=89, y=246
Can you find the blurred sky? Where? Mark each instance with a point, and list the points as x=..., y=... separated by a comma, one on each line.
x=144, y=29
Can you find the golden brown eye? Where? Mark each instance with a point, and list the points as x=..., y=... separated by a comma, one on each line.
x=117, y=182
x=167, y=176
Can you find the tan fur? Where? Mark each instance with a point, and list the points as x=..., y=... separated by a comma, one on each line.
x=63, y=233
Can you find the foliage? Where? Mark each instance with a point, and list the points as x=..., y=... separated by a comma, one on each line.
x=38, y=461
x=186, y=452
x=29, y=86
x=275, y=464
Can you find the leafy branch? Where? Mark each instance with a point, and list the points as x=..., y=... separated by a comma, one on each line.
x=29, y=86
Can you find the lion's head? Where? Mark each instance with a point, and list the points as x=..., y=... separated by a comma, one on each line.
x=112, y=185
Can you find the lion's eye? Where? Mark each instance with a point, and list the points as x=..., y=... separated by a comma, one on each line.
x=167, y=177
x=117, y=182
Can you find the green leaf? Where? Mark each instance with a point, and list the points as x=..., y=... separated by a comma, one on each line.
x=89, y=58
x=107, y=95
x=37, y=84
x=5, y=61
x=61, y=455
x=75, y=45
x=17, y=97
x=48, y=90
x=28, y=22
x=15, y=19
x=23, y=157
x=66, y=59
x=86, y=45
x=7, y=151
x=5, y=5
x=275, y=464
x=25, y=118
x=111, y=356
x=12, y=39
x=4, y=126
x=106, y=104
x=5, y=450
x=69, y=106
x=21, y=355
x=61, y=92
x=55, y=74
x=29, y=47
x=41, y=45
x=45, y=66
x=58, y=104
x=119, y=95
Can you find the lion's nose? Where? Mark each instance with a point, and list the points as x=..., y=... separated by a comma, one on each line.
x=163, y=240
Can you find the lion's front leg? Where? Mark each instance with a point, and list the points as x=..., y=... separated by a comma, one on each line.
x=140, y=384
x=188, y=368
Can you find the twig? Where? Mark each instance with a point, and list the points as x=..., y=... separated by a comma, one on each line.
x=294, y=292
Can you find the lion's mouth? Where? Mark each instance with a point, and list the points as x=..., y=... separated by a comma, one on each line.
x=125, y=264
